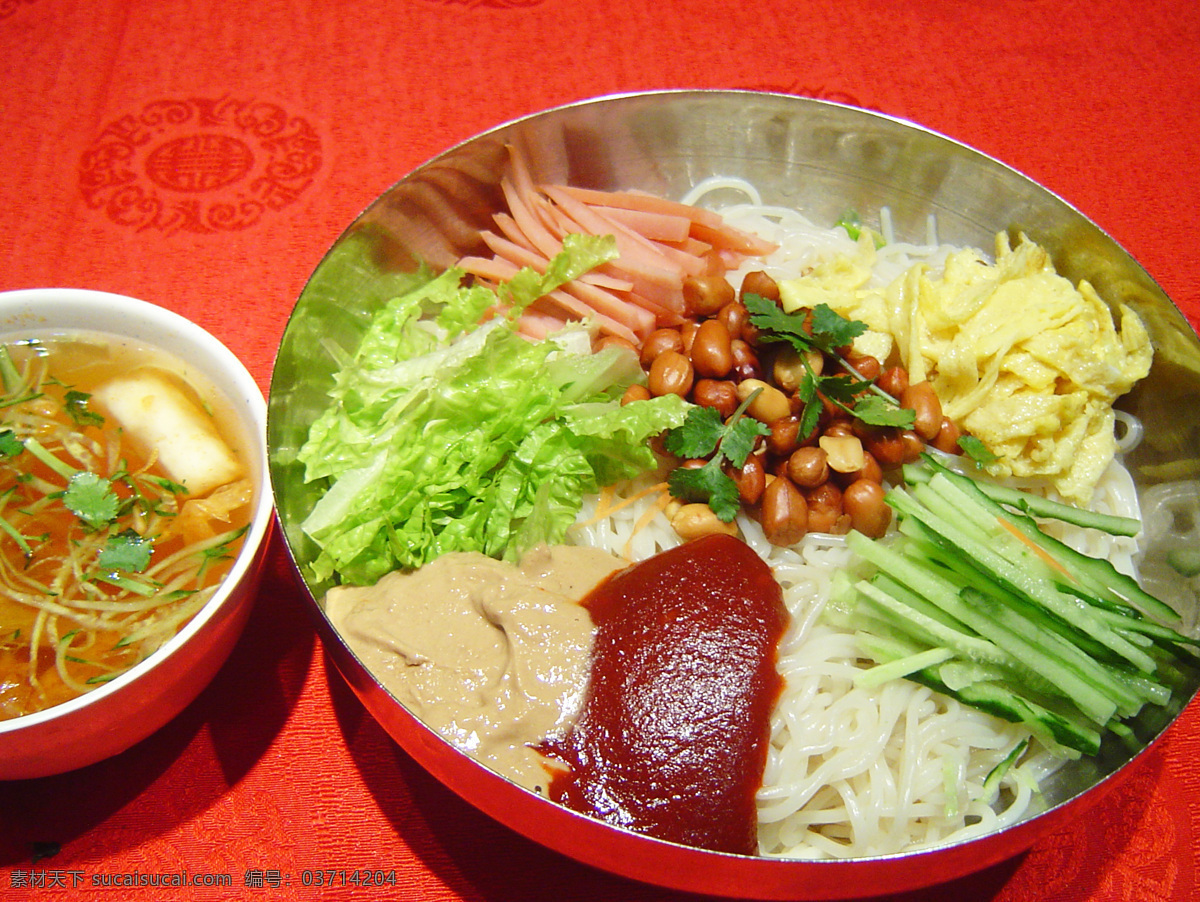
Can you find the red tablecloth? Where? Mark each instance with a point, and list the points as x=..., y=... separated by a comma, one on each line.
x=276, y=768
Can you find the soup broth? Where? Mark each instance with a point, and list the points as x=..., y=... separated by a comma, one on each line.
x=125, y=492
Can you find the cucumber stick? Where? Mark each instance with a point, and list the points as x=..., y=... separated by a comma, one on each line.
x=1026, y=580
x=990, y=696
x=973, y=599
x=1007, y=632
x=1034, y=505
x=1096, y=575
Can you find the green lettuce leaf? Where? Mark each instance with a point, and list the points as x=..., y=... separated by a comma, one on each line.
x=443, y=440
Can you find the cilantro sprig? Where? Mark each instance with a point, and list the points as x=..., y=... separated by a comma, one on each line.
x=977, y=450
x=703, y=434
x=826, y=331
x=127, y=551
x=124, y=552
x=222, y=551
x=92, y=499
x=10, y=445
x=853, y=224
x=76, y=405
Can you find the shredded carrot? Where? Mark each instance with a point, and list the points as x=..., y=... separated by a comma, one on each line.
x=1035, y=548
x=635, y=251
x=693, y=246
x=603, y=502
x=644, y=520
x=490, y=269
x=521, y=255
x=600, y=280
x=606, y=508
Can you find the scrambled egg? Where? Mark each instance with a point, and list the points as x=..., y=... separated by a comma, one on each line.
x=1020, y=357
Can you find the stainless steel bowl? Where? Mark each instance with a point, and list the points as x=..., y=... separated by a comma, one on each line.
x=820, y=158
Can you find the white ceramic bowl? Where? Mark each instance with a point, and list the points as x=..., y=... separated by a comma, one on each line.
x=126, y=710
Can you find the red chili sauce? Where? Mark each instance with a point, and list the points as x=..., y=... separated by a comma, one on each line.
x=672, y=739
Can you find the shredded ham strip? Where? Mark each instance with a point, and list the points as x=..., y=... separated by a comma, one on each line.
x=661, y=244
x=614, y=311
x=496, y=270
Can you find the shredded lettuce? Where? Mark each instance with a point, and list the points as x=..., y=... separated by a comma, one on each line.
x=447, y=437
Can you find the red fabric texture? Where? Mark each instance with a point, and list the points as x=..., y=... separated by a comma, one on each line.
x=276, y=768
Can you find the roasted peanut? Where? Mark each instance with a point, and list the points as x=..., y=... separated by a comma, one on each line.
x=825, y=512
x=789, y=367
x=745, y=362
x=842, y=525
x=893, y=380
x=635, y=392
x=914, y=446
x=735, y=316
x=869, y=513
x=758, y=282
x=927, y=409
x=784, y=512
x=865, y=365
x=670, y=374
x=839, y=426
x=830, y=412
x=785, y=436
x=707, y=294
x=845, y=452
x=658, y=445
x=719, y=394
x=777, y=466
x=751, y=479
x=712, y=351
x=751, y=333
x=947, y=438
x=808, y=467
x=694, y=521
x=769, y=405
x=822, y=520
x=614, y=341
x=827, y=496
x=886, y=445
x=687, y=332
x=870, y=470
x=658, y=341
